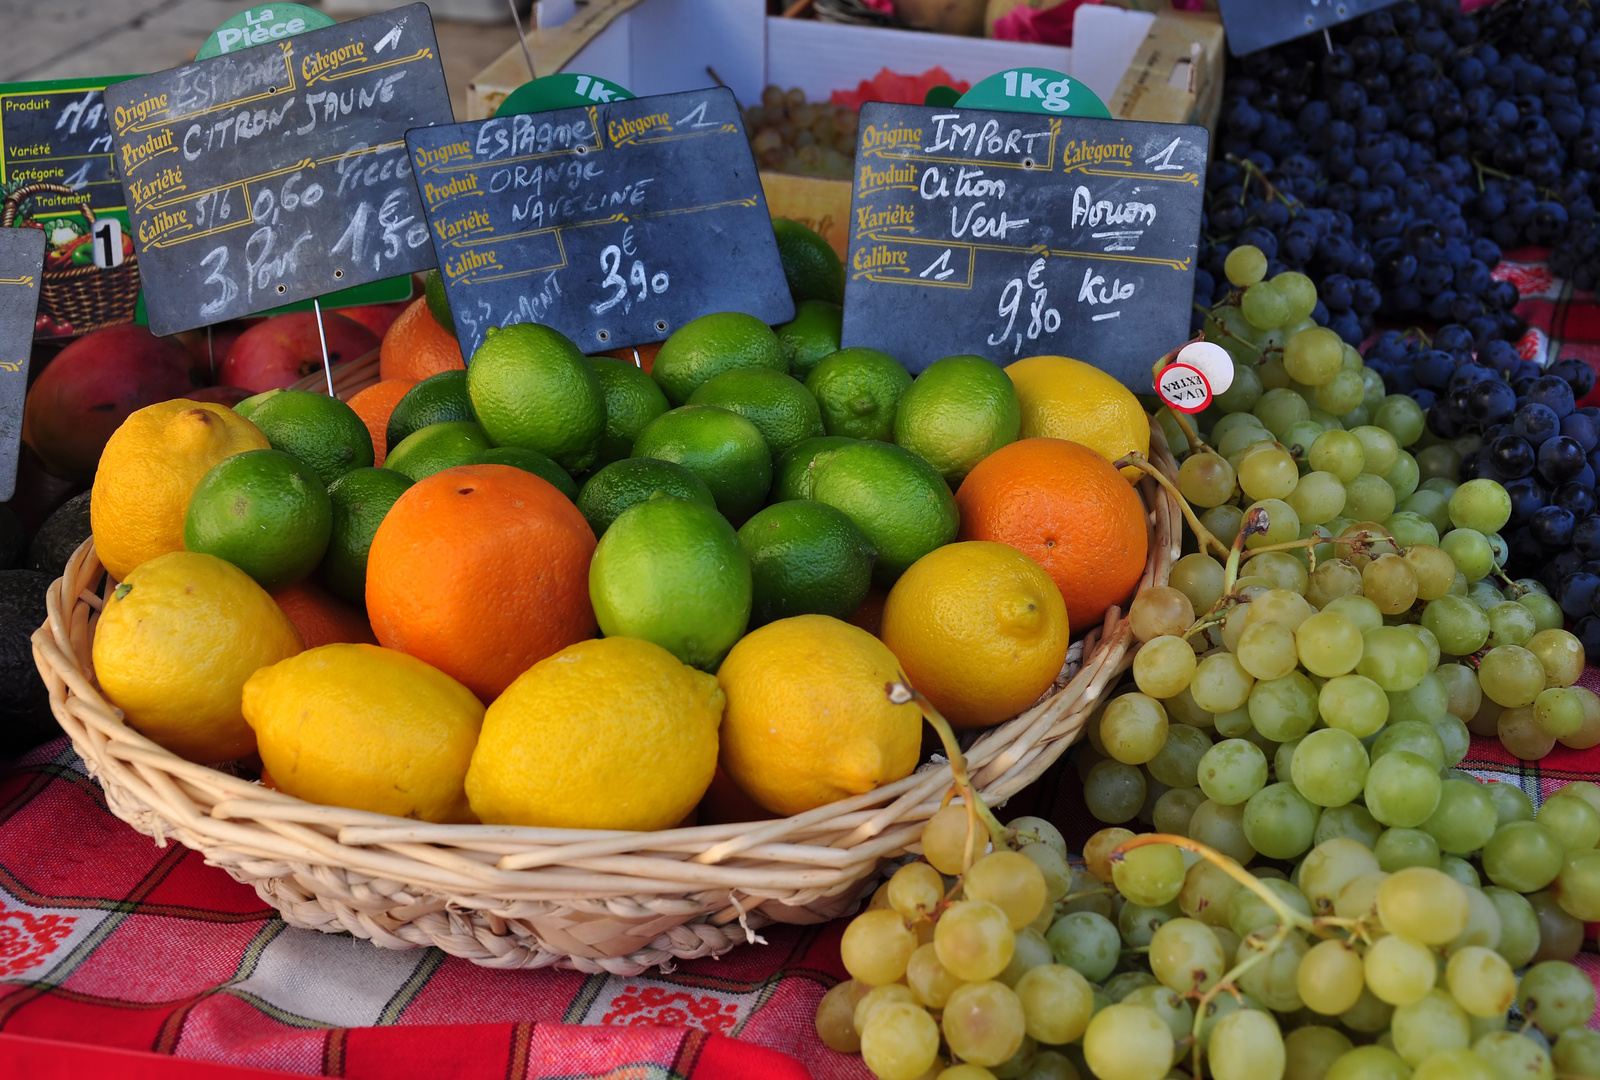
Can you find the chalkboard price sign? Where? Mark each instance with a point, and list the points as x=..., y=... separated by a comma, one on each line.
x=279, y=173
x=614, y=223
x=21, y=266
x=1013, y=234
x=1259, y=24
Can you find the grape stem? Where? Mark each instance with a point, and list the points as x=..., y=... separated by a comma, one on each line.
x=1355, y=540
x=1203, y=534
x=901, y=693
x=1289, y=919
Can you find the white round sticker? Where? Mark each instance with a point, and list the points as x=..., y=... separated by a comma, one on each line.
x=1184, y=387
x=1212, y=360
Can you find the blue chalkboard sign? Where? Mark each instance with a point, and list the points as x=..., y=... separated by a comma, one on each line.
x=1007, y=234
x=615, y=223
x=278, y=173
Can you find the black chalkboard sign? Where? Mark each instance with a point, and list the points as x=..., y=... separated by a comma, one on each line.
x=21, y=265
x=614, y=223
x=1257, y=24
x=279, y=173
x=1013, y=234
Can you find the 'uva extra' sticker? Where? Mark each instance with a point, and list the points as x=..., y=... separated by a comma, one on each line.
x=1183, y=387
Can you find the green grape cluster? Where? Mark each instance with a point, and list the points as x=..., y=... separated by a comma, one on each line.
x=1372, y=959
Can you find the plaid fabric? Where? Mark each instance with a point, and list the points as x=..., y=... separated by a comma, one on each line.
x=1561, y=320
x=107, y=939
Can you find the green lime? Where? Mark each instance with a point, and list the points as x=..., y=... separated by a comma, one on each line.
x=794, y=473
x=633, y=399
x=531, y=387
x=781, y=409
x=249, y=404
x=520, y=457
x=434, y=400
x=806, y=558
x=671, y=571
x=896, y=499
x=438, y=301
x=265, y=512
x=619, y=485
x=720, y=447
x=812, y=334
x=712, y=344
x=813, y=269
x=956, y=413
x=437, y=447
x=360, y=500
x=858, y=390
x=321, y=431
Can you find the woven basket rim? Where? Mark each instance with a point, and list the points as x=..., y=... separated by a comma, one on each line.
x=799, y=868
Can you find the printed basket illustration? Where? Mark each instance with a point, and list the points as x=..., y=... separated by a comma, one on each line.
x=502, y=896
x=83, y=297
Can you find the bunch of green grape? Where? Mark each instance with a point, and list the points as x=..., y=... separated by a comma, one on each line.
x=1277, y=445
x=1364, y=964
x=790, y=134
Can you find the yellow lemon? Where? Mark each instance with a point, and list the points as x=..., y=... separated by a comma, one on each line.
x=809, y=721
x=175, y=644
x=149, y=469
x=614, y=733
x=980, y=628
x=368, y=728
x=1062, y=398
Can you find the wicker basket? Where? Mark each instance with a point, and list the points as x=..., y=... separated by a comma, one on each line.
x=503, y=896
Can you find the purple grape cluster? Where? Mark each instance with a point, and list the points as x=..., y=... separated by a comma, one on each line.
x=1496, y=416
x=1394, y=168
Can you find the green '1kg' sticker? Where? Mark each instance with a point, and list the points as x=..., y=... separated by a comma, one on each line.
x=1036, y=90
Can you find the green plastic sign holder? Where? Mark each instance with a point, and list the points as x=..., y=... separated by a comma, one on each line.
x=261, y=24
x=1034, y=90
x=567, y=90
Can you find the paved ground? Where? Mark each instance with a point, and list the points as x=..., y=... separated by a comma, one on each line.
x=55, y=39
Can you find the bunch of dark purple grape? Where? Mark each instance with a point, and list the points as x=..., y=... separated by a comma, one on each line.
x=1395, y=167
x=1507, y=419
x=1533, y=108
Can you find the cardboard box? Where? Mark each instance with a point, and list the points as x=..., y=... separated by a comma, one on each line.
x=1163, y=66
x=662, y=46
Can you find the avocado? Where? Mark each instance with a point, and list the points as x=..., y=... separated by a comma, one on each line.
x=25, y=717
x=13, y=539
x=60, y=536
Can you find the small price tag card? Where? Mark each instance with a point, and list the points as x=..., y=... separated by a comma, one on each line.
x=615, y=223
x=21, y=266
x=279, y=173
x=57, y=175
x=1007, y=234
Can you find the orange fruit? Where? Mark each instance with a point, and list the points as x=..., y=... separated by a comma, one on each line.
x=373, y=405
x=1064, y=506
x=482, y=571
x=416, y=346
x=321, y=617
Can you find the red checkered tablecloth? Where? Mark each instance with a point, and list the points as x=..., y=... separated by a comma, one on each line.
x=107, y=939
